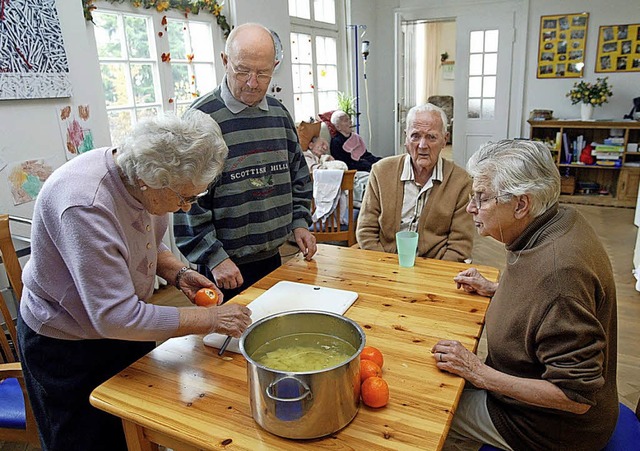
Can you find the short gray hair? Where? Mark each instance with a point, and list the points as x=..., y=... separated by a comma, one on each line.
x=336, y=116
x=518, y=167
x=167, y=151
x=229, y=46
x=426, y=107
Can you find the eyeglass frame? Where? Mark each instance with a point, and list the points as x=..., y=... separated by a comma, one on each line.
x=240, y=74
x=184, y=201
x=478, y=201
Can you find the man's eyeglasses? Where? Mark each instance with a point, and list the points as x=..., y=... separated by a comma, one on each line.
x=475, y=199
x=244, y=76
x=184, y=201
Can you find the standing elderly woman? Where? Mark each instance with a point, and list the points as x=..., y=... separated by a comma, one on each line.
x=549, y=380
x=96, y=249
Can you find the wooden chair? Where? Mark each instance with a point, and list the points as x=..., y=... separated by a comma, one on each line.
x=17, y=423
x=332, y=230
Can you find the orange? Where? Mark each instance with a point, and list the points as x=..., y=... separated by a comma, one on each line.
x=375, y=392
x=371, y=353
x=206, y=297
x=369, y=368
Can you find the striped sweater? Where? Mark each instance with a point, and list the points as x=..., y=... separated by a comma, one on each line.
x=264, y=191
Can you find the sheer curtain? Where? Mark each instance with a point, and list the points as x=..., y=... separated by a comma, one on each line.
x=428, y=46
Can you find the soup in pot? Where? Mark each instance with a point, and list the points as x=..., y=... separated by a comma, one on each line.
x=303, y=352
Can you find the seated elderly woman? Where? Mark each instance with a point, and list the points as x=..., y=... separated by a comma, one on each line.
x=96, y=249
x=348, y=146
x=421, y=192
x=549, y=380
x=317, y=156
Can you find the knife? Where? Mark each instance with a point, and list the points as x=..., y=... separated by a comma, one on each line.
x=224, y=345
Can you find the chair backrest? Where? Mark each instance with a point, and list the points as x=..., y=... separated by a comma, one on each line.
x=331, y=229
x=444, y=102
x=9, y=257
x=14, y=392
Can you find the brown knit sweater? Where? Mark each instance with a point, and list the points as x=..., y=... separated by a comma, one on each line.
x=553, y=317
x=445, y=229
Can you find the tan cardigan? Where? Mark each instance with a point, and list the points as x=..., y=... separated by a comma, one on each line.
x=446, y=230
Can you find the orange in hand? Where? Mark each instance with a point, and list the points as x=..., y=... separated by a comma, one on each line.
x=371, y=353
x=375, y=392
x=369, y=368
x=206, y=297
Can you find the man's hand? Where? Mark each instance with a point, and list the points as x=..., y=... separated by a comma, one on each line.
x=227, y=275
x=306, y=242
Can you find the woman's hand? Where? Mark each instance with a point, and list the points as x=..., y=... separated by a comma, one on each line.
x=230, y=319
x=471, y=281
x=453, y=357
x=191, y=281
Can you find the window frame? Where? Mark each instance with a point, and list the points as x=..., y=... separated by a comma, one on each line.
x=316, y=29
x=163, y=77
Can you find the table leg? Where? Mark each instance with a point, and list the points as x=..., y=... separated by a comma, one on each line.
x=136, y=440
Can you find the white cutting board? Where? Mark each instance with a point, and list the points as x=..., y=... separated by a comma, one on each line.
x=285, y=296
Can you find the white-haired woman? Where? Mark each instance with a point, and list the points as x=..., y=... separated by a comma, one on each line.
x=549, y=380
x=96, y=248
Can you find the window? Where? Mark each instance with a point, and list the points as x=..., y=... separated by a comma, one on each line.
x=483, y=68
x=150, y=63
x=314, y=57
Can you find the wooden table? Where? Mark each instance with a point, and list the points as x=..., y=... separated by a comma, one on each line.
x=183, y=396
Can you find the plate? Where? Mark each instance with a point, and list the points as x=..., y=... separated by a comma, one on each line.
x=287, y=296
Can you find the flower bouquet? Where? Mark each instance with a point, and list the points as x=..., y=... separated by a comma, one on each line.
x=594, y=94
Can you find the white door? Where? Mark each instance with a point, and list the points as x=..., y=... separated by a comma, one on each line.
x=500, y=104
x=484, y=60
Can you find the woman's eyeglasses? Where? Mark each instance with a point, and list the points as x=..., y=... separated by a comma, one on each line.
x=475, y=199
x=244, y=76
x=184, y=201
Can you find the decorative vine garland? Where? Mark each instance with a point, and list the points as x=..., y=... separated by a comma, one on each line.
x=188, y=6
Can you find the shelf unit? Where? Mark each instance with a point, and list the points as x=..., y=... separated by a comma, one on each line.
x=620, y=182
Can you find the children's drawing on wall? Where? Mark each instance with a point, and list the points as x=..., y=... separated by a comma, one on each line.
x=26, y=179
x=75, y=129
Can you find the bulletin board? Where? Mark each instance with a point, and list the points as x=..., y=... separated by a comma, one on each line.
x=618, y=48
x=562, y=44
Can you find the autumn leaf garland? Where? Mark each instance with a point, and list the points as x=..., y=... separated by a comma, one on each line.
x=188, y=6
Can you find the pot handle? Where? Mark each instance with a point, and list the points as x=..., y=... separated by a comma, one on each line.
x=272, y=385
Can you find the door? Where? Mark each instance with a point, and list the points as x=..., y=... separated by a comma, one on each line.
x=497, y=104
x=483, y=80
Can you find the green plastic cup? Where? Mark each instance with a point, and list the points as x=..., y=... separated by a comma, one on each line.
x=407, y=244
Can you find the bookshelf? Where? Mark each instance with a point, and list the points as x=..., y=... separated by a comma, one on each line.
x=612, y=181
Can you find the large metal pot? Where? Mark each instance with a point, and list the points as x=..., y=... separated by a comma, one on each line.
x=303, y=405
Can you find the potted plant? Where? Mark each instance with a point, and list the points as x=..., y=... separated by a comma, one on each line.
x=590, y=95
x=347, y=103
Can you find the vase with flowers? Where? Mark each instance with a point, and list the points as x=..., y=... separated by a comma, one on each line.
x=590, y=95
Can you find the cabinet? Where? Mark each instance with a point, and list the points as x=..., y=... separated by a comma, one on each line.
x=594, y=184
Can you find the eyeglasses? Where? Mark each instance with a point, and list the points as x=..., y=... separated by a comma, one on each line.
x=184, y=201
x=244, y=76
x=475, y=199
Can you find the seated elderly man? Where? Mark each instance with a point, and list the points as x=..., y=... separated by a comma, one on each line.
x=549, y=379
x=317, y=156
x=348, y=146
x=421, y=192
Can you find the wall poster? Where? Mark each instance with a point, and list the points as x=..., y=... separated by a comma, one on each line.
x=618, y=48
x=562, y=45
x=33, y=62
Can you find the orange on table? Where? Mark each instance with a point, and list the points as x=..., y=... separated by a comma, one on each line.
x=371, y=353
x=369, y=368
x=375, y=392
x=206, y=297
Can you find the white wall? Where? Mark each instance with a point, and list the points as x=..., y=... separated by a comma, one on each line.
x=551, y=93
x=29, y=128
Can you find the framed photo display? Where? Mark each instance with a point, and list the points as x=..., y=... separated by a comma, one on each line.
x=562, y=45
x=618, y=48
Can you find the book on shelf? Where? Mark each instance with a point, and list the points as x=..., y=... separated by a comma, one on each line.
x=609, y=148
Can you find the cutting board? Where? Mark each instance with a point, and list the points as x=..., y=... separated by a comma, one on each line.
x=285, y=296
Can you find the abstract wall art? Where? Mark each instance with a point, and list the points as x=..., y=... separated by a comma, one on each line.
x=33, y=62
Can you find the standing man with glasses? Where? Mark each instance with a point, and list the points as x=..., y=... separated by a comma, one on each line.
x=233, y=233
x=421, y=192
